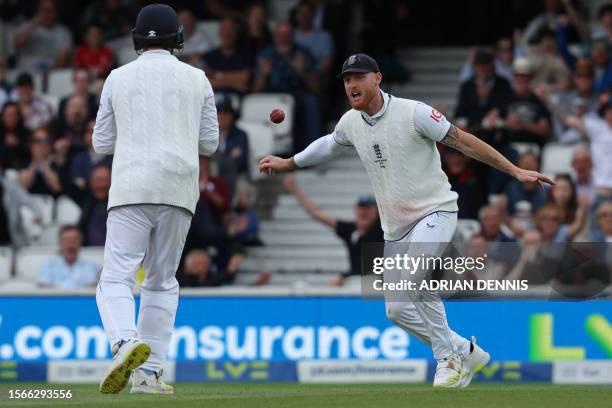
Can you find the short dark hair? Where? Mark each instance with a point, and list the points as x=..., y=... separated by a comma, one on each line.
x=66, y=228
x=24, y=79
x=603, y=10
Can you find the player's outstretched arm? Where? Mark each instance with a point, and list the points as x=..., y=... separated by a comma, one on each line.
x=475, y=148
x=307, y=204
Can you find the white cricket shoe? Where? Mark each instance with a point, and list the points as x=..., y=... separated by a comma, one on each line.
x=143, y=383
x=127, y=356
x=448, y=372
x=475, y=362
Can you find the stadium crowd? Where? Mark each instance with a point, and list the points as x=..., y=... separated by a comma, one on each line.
x=548, y=82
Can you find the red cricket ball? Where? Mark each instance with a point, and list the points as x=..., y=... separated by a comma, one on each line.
x=277, y=115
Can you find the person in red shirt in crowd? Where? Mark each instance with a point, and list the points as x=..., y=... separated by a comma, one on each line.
x=94, y=55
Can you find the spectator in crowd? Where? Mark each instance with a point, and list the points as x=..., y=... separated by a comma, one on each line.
x=110, y=16
x=41, y=174
x=257, y=36
x=365, y=228
x=504, y=54
x=243, y=224
x=603, y=29
x=318, y=42
x=285, y=67
x=228, y=67
x=598, y=129
x=199, y=271
x=466, y=181
x=233, y=141
x=81, y=80
x=94, y=55
x=582, y=165
x=574, y=208
x=84, y=162
x=13, y=137
x=548, y=66
x=43, y=43
x=485, y=94
x=73, y=124
x=93, y=216
x=527, y=119
x=220, y=9
x=5, y=88
x=491, y=219
x=12, y=199
x=526, y=191
x=604, y=221
x=547, y=20
x=549, y=222
x=35, y=111
x=600, y=55
x=68, y=270
x=197, y=41
x=531, y=265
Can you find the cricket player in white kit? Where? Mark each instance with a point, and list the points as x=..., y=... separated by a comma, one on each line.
x=156, y=115
x=396, y=141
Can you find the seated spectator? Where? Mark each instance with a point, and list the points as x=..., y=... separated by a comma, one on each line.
x=197, y=41
x=598, y=129
x=43, y=43
x=41, y=174
x=603, y=29
x=491, y=220
x=600, y=55
x=485, y=94
x=244, y=224
x=529, y=191
x=257, y=36
x=35, y=111
x=319, y=42
x=199, y=271
x=228, y=67
x=110, y=15
x=466, y=181
x=73, y=124
x=83, y=162
x=549, y=222
x=563, y=194
x=365, y=228
x=93, y=216
x=527, y=118
x=582, y=165
x=13, y=138
x=68, y=270
x=548, y=66
x=233, y=142
x=504, y=54
x=285, y=67
x=81, y=81
x=604, y=221
x=12, y=199
x=93, y=55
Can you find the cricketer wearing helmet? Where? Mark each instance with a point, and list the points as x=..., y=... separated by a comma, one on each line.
x=156, y=116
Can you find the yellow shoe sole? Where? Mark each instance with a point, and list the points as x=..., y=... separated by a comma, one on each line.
x=119, y=377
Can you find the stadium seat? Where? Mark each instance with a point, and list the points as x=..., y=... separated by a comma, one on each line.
x=34, y=227
x=68, y=212
x=557, y=158
x=49, y=235
x=94, y=254
x=211, y=28
x=59, y=82
x=261, y=143
x=257, y=107
x=53, y=101
x=523, y=147
x=46, y=204
x=6, y=260
x=29, y=261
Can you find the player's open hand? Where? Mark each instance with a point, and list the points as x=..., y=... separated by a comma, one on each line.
x=272, y=164
x=524, y=176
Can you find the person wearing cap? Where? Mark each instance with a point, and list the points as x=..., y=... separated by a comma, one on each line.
x=527, y=119
x=503, y=56
x=396, y=141
x=484, y=93
x=233, y=141
x=365, y=228
x=36, y=111
x=597, y=127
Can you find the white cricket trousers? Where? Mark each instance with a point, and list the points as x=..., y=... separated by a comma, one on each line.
x=422, y=313
x=151, y=235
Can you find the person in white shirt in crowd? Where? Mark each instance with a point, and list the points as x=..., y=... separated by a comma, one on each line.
x=156, y=115
x=396, y=141
x=43, y=43
x=582, y=166
x=604, y=220
x=197, y=41
x=503, y=56
x=598, y=129
x=68, y=270
x=36, y=111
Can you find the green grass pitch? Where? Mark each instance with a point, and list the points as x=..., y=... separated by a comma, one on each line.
x=270, y=395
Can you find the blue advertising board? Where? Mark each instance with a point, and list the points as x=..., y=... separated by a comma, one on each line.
x=286, y=329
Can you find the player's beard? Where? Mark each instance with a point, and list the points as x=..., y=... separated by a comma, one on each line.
x=363, y=101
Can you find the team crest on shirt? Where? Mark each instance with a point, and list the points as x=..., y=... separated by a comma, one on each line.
x=380, y=160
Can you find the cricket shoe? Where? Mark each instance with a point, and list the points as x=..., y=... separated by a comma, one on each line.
x=127, y=356
x=144, y=382
x=448, y=372
x=474, y=362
